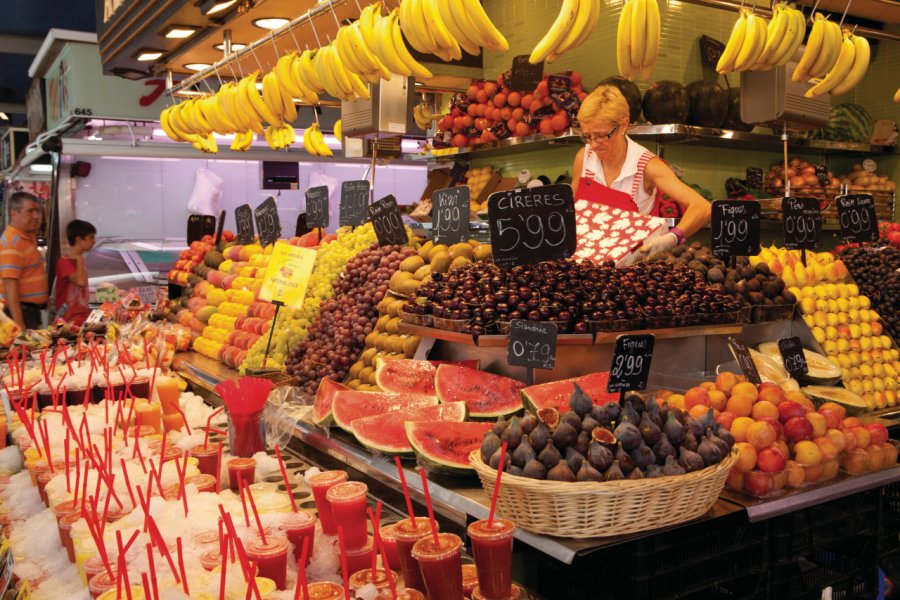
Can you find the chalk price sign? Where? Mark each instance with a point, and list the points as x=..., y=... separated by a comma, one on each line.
x=792, y=356
x=859, y=222
x=735, y=228
x=317, y=206
x=268, y=224
x=450, y=214
x=531, y=344
x=243, y=217
x=354, y=203
x=387, y=222
x=741, y=353
x=630, y=368
x=802, y=223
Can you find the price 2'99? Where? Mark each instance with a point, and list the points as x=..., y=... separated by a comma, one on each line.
x=629, y=365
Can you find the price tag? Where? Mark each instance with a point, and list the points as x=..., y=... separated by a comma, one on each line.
x=354, y=203
x=267, y=222
x=859, y=222
x=741, y=354
x=735, y=228
x=148, y=294
x=754, y=178
x=287, y=274
x=802, y=223
x=243, y=217
x=531, y=344
x=869, y=165
x=525, y=76
x=631, y=362
x=792, y=356
x=450, y=215
x=822, y=175
x=198, y=226
x=317, y=206
x=107, y=293
x=301, y=228
x=95, y=317
x=532, y=225
x=710, y=51
x=387, y=223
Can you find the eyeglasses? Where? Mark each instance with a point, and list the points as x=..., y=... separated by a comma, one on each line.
x=599, y=137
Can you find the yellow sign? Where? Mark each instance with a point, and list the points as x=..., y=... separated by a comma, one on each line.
x=287, y=276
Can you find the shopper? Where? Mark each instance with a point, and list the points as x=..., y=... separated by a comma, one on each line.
x=71, y=289
x=21, y=264
x=609, y=155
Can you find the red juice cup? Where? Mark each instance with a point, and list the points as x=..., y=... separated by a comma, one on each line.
x=319, y=483
x=325, y=590
x=404, y=594
x=210, y=559
x=240, y=469
x=65, y=532
x=203, y=481
x=270, y=557
x=492, y=549
x=364, y=577
x=299, y=526
x=360, y=558
x=390, y=545
x=441, y=565
x=348, y=507
x=101, y=582
x=94, y=566
x=140, y=387
x=513, y=594
x=406, y=537
x=469, y=579
x=206, y=458
x=42, y=480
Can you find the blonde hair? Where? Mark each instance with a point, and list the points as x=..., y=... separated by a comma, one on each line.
x=605, y=103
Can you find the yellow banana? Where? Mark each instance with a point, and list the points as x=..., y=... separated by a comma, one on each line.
x=340, y=72
x=654, y=29
x=306, y=144
x=775, y=33
x=840, y=70
x=623, y=41
x=858, y=70
x=556, y=33
x=282, y=72
x=338, y=132
x=638, y=33
x=409, y=31
x=811, y=52
x=367, y=24
x=580, y=29
x=386, y=51
x=257, y=102
x=831, y=49
x=271, y=95
x=416, y=69
x=289, y=109
x=734, y=45
x=371, y=60
x=308, y=71
x=360, y=89
x=438, y=29
x=164, y=122
x=490, y=35
x=753, y=44
x=325, y=74
x=458, y=32
x=178, y=124
x=796, y=30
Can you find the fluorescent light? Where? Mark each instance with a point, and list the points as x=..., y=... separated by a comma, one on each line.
x=271, y=23
x=3, y=116
x=179, y=32
x=147, y=55
x=94, y=137
x=41, y=168
x=234, y=47
x=196, y=66
x=217, y=7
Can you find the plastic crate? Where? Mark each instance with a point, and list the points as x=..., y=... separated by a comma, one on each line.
x=850, y=573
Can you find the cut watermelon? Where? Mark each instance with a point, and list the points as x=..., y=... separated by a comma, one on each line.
x=349, y=405
x=403, y=375
x=324, y=398
x=445, y=447
x=488, y=396
x=556, y=393
x=385, y=433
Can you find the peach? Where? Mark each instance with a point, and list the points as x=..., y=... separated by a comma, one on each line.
x=779, y=430
x=835, y=407
x=789, y=409
x=745, y=389
x=770, y=460
x=761, y=435
x=696, y=396
x=837, y=438
x=828, y=448
x=801, y=399
x=852, y=422
x=830, y=469
x=698, y=411
x=878, y=433
x=807, y=453
x=832, y=417
x=708, y=386
x=855, y=461
x=863, y=437
x=741, y=405
x=725, y=381
x=875, y=456
x=797, y=429
x=717, y=399
x=849, y=440
x=890, y=454
x=820, y=425
x=796, y=474
x=739, y=428
x=779, y=480
x=735, y=480
x=771, y=393
x=764, y=408
x=676, y=401
x=758, y=483
x=746, y=457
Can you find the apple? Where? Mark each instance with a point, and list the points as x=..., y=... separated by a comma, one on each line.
x=769, y=460
x=797, y=429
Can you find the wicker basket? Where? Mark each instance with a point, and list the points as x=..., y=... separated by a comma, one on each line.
x=588, y=509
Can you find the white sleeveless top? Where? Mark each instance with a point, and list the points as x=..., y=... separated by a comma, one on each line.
x=631, y=177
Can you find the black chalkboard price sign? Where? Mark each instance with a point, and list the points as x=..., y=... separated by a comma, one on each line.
x=450, y=215
x=200, y=225
x=532, y=225
x=710, y=51
x=856, y=213
x=802, y=223
x=525, y=76
x=267, y=222
x=735, y=228
x=354, y=203
x=792, y=356
x=630, y=367
x=741, y=353
x=531, y=344
x=387, y=223
x=317, y=206
x=243, y=218
x=302, y=227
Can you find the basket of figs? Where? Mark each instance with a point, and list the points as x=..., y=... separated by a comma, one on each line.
x=605, y=470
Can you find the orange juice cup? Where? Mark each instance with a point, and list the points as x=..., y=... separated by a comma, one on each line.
x=168, y=393
x=148, y=413
x=172, y=422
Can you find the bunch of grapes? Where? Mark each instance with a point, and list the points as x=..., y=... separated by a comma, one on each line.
x=338, y=335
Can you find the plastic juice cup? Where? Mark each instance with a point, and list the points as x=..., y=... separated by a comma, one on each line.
x=407, y=536
x=469, y=579
x=168, y=393
x=299, y=526
x=142, y=431
x=325, y=590
x=364, y=577
x=514, y=592
x=390, y=545
x=270, y=557
x=65, y=533
x=94, y=566
x=204, y=483
x=42, y=480
x=172, y=422
x=492, y=550
x=84, y=549
x=148, y=413
x=240, y=469
x=206, y=539
x=211, y=558
x=115, y=513
x=37, y=467
x=272, y=502
x=348, y=507
x=262, y=487
x=171, y=454
x=137, y=593
x=140, y=387
x=102, y=582
x=440, y=565
x=206, y=458
x=360, y=558
x=320, y=482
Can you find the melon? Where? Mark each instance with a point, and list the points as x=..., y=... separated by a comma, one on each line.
x=769, y=369
x=324, y=398
x=821, y=370
x=412, y=376
x=205, y=313
x=349, y=405
x=386, y=433
x=666, y=102
x=556, y=393
x=709, y=104
x=487, y=396
x=853, y=403
x=445, y=447
x=733, y=119
x=632, y=95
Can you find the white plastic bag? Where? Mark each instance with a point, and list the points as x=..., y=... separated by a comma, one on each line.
x=207, y=192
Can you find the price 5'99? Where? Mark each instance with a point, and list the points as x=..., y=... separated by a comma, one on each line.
x=532, y=231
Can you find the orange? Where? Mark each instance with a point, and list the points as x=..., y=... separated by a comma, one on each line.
x=740, y=404
x=739, y=428
x=746, y=457
x=820, y=425
x=761, y=434
x=764, y=408
x=663, y=395
x=745, y=388
x=717, y=399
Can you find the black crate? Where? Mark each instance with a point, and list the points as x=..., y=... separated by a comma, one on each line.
x=889, y=531
x=850, y=572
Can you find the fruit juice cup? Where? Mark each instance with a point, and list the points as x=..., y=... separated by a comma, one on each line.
x=270, y=557
x=320, y=483
x=172, y=453
x=492, y=548
x=407, y=536
x=364, y=577
x=65, y=534
x=348, y=507
x=389, y=543
x=93, y=566
x=271, y=502
x=61, y=510
x=142, y=431
x=208, y=539
x=140, y=387
x=137, y=593
x=172, y=422
x=102, y=582
x=405, y=594
x=168, y=393
x=514, y=593
x=206, y=458
x=42, y=480
x=116, y=512
x=37, y=467
x=263, y=487
x=84, y=549
x=210, y=558
x=299, y=526
x=360, y=558
x=148, y=413
x=441, y=565
x=240, y=469
x=203, y=481
x=325, y=590
x=469, y=579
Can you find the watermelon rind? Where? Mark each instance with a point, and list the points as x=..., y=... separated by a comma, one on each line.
x=487, y=395
x=387, y=433
x=406, y=375
x=430, y=441
x=555, y=394
x=350, y=404
x=324, y=398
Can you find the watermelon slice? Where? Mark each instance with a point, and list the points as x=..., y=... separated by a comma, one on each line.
x=349, y=405
x=445, y=447
x=403, y=375
x=385, y=433
x=556, y=393
x=488, y=396
x=324, y=398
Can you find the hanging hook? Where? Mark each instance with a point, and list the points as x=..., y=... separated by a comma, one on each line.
x=813, y=11
x=849, y=2
x=216, y=71
x=253, y=52
x=293, y=37
x=274, y=47
x=358, y=6
x=334, y=14
x=315, y=33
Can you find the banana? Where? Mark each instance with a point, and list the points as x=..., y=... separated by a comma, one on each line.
x=368, y=57
x=258, y=104
x=338, y=132
x=775, y=33
x=409, y=30
x=623, y=41
x=733, y=46
x=367, y=24
x=289, y=109
x=831, y=49
x=837, y=73
x=307, y=145
x=811, y=52
x=393, y=29
x=349, y=58
x=458, y=32
x=167, y=128
x=438, y=29
x=308, y=72
x=271, y=95
x=314, y=142
x=754, y=40
x=360, y=89
x=177, y=124
x=654, y=28
x=490, y=36
x=326, y=74
x=897, y=95
x=858, y=70
x=796, y=30
x=386, y=51
x=638, y=33
x=341, y=76
x=556, y=33
x=585, y=19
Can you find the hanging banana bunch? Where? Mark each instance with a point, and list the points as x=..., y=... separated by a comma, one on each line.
x=897, y=95
x=637, y=39
x=338, y=133
x=424, y=117
x=573, y=25
x=848, y=70
x=745, y=45
x=784, y=35
x=314, y=141
x=446, y=28
x=821, y=52
x=185, y=122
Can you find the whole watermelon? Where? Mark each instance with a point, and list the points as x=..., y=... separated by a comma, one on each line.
x=847, y=122
x=733, y=118
x=709, y=104
x=632, y=95
x=666, y=102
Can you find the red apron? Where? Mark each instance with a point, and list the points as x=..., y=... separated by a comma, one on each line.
x=595, y=192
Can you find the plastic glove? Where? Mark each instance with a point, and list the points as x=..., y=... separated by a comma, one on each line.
x=659, y=244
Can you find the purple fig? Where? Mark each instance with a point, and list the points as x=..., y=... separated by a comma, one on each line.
x=636, y=400
x=692, y=425
x=535, y=470
x=523, y=453
x=564, y=436
x=489, y=445
x=652, y=472
x=663, y=449
x=599, y=456
x=512, y=435
x=672, y=467
x=572, y=418
x=724, y=448
x=613, y=410
x=600, y=414
x=579, y=401
x=673, y=429
x=549, y=417
x=588, y=424
x=690, y=442
x=614, y=473
x=582, y=441
x=689, y=460
x=500, y=426
x=635, y=474
x=549, y=456
x=726, y=436
x=514, y=470
x=628, y=435
x=588, y=473
x=528, y=422
x=539, y=437
x=649, y=431
x=624, y=459
x=561, y=472
x=709, y=452
x=643, y=456
x=573, y=459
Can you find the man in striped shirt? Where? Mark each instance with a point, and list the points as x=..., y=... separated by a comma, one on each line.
x=21, y=264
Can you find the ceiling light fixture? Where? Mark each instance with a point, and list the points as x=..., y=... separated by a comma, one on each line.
x=196, y=66
x=145, y=55
x=41, y=168
x=179, y=32
x=234, y=47
x=211, y=7
x=271, y=23
x=3, y=116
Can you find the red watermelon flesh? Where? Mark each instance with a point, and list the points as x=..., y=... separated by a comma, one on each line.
x=349, y=405
x=324, y=398
x=404, y=375
x=445, y=447
x=556, y=393
x=386, y=433
x=487, y=395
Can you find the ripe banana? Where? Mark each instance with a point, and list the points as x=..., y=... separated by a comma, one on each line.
x=734, y=45
x=423, y=116
x=484, y=28
x=653, y=32
x=338, y=132
x=754, y=42
x=257, y=103
x=775, y=33
x=385, y=50
x=837, y=73
x=858, y=70
x=396, y=42
x=173, y=134
x=793, y=38
x=812, y=50
x=242, y=141
x=556, y=33
x=585, y=20
x=638, y=29
x=271, y=95
x=439, y=31
x=831, y=49
x=623, y=42
x=457, y=29
x=314, y=142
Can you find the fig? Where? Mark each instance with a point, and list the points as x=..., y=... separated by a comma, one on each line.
x=564, y=436
x=549, y=417
x=624, y=459
x=573, y=459
x=719, y=442
x=726, y=436
x=614, y=473
x=709, y=452
x=535, y=469
x=588, y=473
x=673, y=429
x=694, y=426
x=581, y=443
x=690, y=442
x=489, y=445
x=539, y=437
x=579, y=401
x=663, y=449
x=523, y=453
x=636, y=400
x=514, y=470
x=571, y=418
x=672, y=467
x=549, y=456
x=643, y=456
x=494, y=462
x=708, y=420
x=652, y=472
x=613, y=410
x=635, y=474
x=629, y=415
x=604, y=437
x=528, y=422
x=664, y=411
x=561, y=472
x=649, y=431
x=690, y=461
x=500, y=426
x=600, y=414
x=653, y=411
x=588, y=424
x=629, y=435
x=599, y=456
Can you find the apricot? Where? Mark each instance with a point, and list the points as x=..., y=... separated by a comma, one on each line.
x=820, y=425
x=745, y=389
x=807, y=453
x=829, y=450
x=801, y=399
x=796, y=474
x=717, y=399
x=726, y=418
x=725, y=381
x=863, y=437
x=771, y=394
x=739, y=428
x=764, y=408
x=890, y=454
x=740, y=405
x=878, y=432
x=832, y=417
x=746, y=459
x=849, y=441
x=835, y=407
x=761, y=435
x=855, y=461
x=696, y=396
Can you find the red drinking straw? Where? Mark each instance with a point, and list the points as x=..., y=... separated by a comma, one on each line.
x=262, y=534
x=301, y=572
x=209, y=425
x=124, y=566
x=146, y=585
x=68, y=478
x=386, y=563
x=432, y=522
x=127, y=482
x=184, y=581
x=409, y=506
x=287, y=483
x=376, y=519
x=219, y=468
x=223, y=552
x=243, y=500
x=152, y=571
x=497, y=486
x=344, y=573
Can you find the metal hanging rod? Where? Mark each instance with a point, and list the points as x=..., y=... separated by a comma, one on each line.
x=268, y=38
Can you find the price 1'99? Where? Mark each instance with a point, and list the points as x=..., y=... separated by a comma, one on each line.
x=732, y=232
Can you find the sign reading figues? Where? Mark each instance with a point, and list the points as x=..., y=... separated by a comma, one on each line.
x=735, y=228
x=630, y=368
